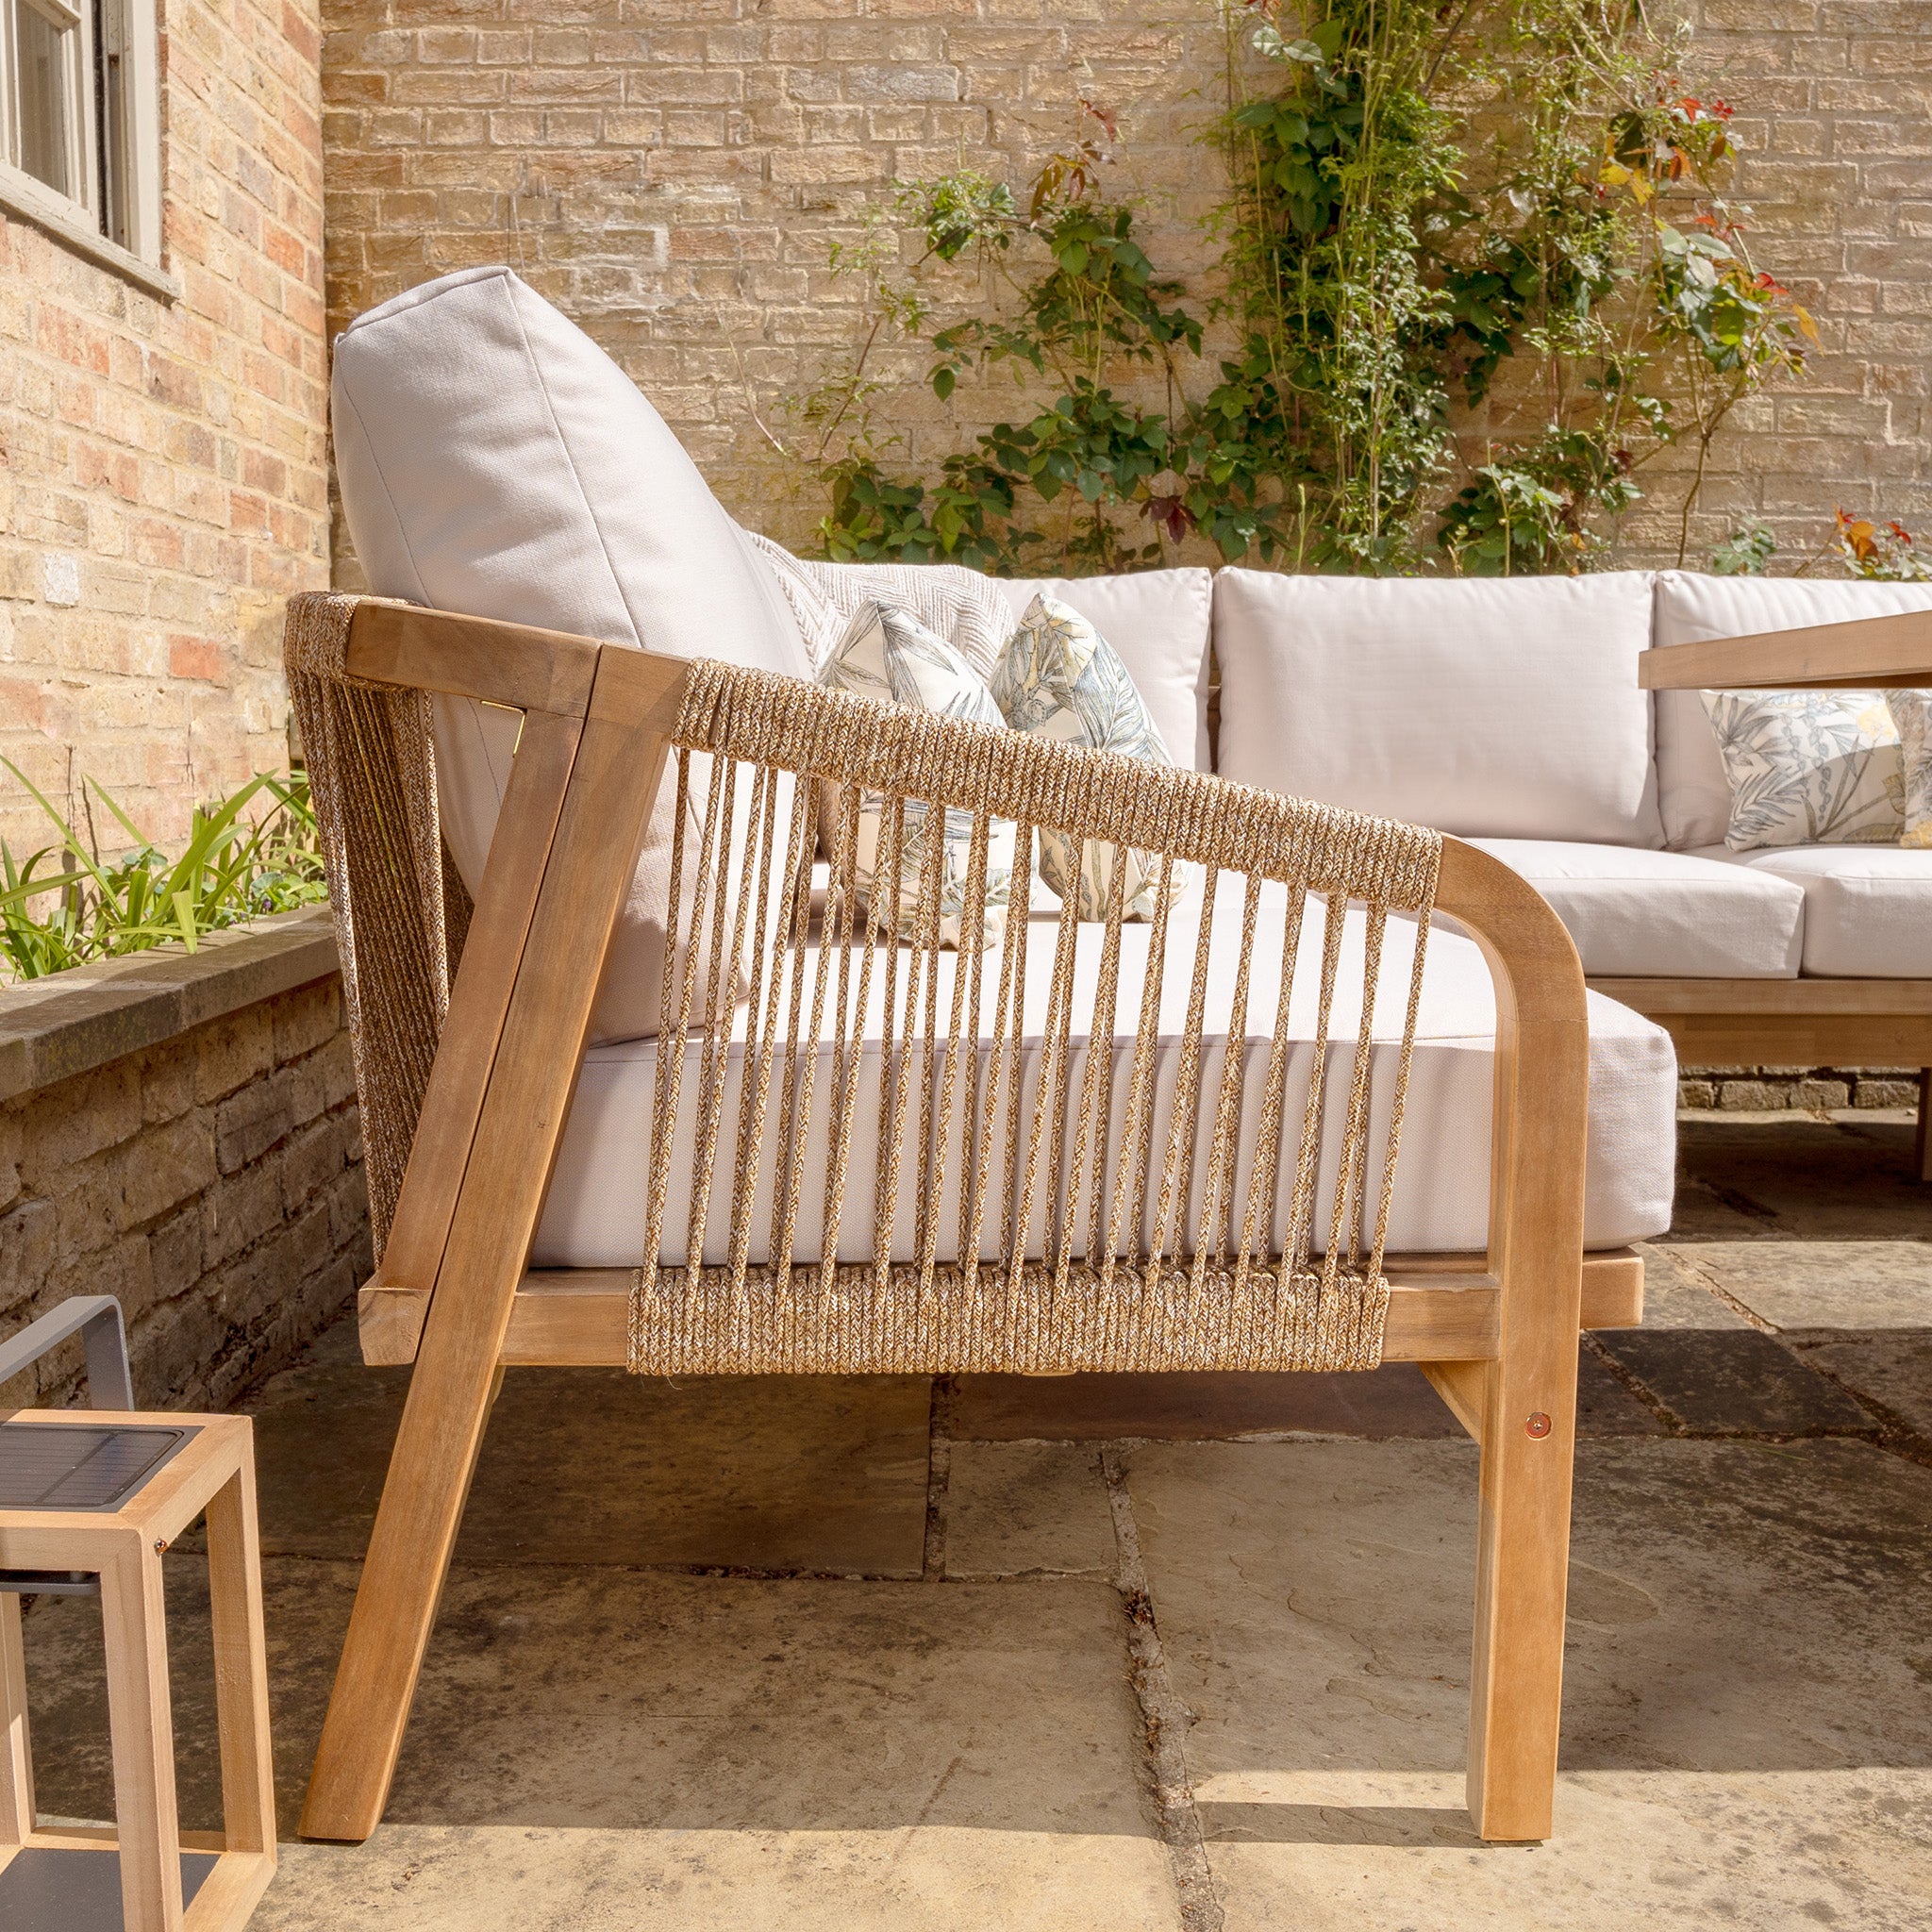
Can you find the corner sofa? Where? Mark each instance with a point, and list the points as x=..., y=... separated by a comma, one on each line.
x=1509, y=713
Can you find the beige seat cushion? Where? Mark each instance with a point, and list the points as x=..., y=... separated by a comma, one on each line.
x=595, y=1216
x=1636, y=914
x=1868, y=908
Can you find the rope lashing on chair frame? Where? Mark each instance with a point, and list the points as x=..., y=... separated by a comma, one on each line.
x=1125, y=1282
x=371, y=780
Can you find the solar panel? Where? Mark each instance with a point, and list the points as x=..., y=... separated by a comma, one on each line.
x=80, y=1465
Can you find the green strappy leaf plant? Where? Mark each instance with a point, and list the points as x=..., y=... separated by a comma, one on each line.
x=65, y=905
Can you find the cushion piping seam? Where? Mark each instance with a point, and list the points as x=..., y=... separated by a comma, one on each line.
x=570, y=461
x=388, y=494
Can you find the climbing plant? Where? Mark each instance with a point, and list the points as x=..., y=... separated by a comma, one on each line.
x=1476, y=272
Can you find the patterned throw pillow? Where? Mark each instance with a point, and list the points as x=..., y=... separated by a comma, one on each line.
x=1911, y=712
x=886, y=653
x=1810, y=767
x=1059, y=676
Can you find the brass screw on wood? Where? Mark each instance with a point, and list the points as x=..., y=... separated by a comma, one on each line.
x=1538, y=1426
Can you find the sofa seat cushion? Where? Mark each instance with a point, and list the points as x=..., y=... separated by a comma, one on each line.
x=1692, y=792
x=495, y=460
x=1158, y=622
x=595, y=1213
x=1868, y=908
x=1639, y=914
x=1501, y=707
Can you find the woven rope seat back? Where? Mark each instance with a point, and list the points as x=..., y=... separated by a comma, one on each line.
x=943, y=1134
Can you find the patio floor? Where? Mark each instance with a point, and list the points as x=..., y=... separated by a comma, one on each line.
x=1169, y=1654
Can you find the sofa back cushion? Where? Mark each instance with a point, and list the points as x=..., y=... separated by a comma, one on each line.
x=1496, y=708
x=1692, y=792
x=1158, y=622
x=495, y=460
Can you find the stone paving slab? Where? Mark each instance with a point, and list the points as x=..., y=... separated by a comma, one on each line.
x=603, y=1747
x=1026, y=1508
x=1747, y=1735
x=452, y=1878
x=1675, y=1295
x=1800, y=1285
x=1893, y=1371
x=1733, y=1382
x=1757, y=1852
x=1788, y=1174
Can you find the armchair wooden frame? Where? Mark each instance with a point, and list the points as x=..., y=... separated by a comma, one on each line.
x=1496, y=1332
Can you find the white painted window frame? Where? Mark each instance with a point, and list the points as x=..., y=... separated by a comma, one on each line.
x=129, y=32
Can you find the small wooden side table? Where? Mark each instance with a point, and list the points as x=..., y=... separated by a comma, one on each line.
x=104, y=1493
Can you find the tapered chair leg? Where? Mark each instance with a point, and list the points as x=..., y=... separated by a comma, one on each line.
x=416, y=1523
x=1516, y=1685
x=613, y=780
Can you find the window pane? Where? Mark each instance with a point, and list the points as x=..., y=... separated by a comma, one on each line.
x=42, y=58
x=110, y=119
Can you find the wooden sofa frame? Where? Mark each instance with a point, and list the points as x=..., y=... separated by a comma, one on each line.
x=1496, y=1332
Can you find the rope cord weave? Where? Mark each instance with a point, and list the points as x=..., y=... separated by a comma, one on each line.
x=1123, y=1243
x=399, y=909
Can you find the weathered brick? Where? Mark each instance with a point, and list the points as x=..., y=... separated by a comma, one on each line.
x=229, y=1052
x=103, y=378
x=305, y=1019
x=249, y=1122
x=166, y=1166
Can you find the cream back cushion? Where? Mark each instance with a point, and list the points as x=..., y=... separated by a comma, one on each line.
x=495, y=460
x=1497, y=708
x=1692, y=792
x=1158, y=622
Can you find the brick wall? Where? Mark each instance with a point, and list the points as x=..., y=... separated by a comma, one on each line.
x=165, y=462
x=671, y=171
x=1834, y=124
x=212, y=1183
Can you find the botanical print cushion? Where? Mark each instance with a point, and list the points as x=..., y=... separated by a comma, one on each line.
x=1810, y=767
x=1059, y=676
x=1911, y=712
x=887, y=653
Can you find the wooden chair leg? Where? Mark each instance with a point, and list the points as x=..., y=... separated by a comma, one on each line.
x=614, y=778
x=1522, y=1561
x=147, y=1824
x=234, y=1576
x=409, y=1550
x=1923, y=1156
x=16, y=1758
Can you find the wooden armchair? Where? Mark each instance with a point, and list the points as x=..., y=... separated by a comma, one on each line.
x=1089, y=1238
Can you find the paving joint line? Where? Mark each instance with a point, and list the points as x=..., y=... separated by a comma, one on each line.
x=1164, y=1718
x=939, y=1479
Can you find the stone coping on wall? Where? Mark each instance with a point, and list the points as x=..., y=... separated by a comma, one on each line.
x=73, y=1021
